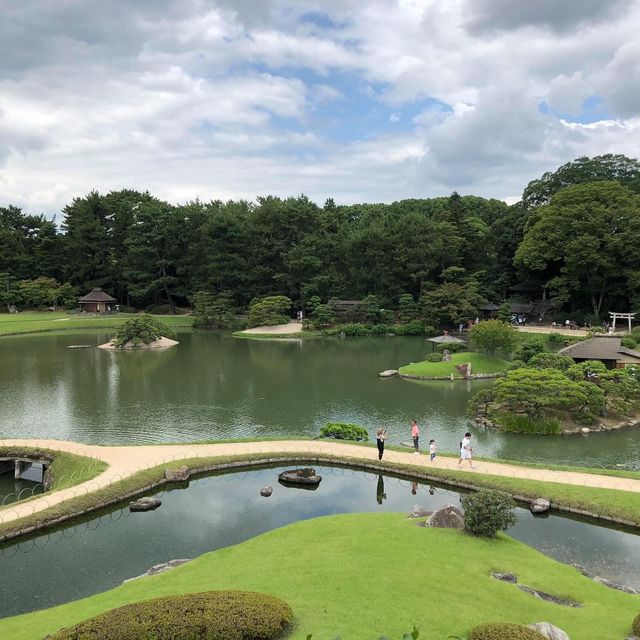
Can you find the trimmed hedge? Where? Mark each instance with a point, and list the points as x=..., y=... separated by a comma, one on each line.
x=487, y=511
x=636, y=625
x=504, y=631
x=212, y=615
x=344, y=431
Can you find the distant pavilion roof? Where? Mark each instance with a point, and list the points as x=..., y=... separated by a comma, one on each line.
x=491, y=306
x=97, y=295
x=601, y=348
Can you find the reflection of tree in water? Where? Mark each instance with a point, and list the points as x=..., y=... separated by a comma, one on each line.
x=381, y=496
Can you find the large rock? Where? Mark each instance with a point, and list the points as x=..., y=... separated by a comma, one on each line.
x=615, y=585
x=306, y=478
x=418, y=511
x=148, y=503
x=505, y=577
x=389, y=373
x=177, y=475
x=539, y=505
x=265, y=492
x=549, y=631
x=447, y=517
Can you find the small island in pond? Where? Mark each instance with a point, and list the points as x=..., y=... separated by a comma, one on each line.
x=141, y=332
x=482, y=366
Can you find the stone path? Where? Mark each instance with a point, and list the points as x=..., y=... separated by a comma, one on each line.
x=277, y=329
x=124, y=461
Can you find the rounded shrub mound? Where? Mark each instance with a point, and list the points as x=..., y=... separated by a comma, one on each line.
x=504, y=631
x=636, y=625
x=487, y=511
x=344, y=431
x=142, y=329
x=212, y=615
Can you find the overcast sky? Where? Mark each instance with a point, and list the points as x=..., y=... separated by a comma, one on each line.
x=374, y=100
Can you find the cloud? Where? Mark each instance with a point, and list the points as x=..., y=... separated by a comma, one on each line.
x=227, y=99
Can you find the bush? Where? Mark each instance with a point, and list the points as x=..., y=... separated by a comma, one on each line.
x=629, y=342
x=269, y=311
x=344, y=431
x=492, y=335
x=125, y=309
x=380, y=330
x=436, y=356
x=213, y=615
x=355, y=330
x=524, y=424
x=528, y=349
x=556, y=338
x=452, y=347
x=551, y=361
x=635, y=627
x=429, y=331
x=487, y=511
x=142, y=329
x=413, y=328
x=503, y=631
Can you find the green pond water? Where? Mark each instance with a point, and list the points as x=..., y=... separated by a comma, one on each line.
x=213, y=386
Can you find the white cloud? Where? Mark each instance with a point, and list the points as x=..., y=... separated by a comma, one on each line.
x=233, y=98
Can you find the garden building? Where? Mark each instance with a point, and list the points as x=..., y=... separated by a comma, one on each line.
x=606, y=349
x=97, y=301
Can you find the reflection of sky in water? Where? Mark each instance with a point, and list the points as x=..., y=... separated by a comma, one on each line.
x=219, y=511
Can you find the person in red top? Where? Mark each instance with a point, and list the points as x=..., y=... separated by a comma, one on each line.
x=415, y=434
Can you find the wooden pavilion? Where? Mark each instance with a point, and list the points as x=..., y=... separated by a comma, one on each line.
x=97, y=301
x=607, y=349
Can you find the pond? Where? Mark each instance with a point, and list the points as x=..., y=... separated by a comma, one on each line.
x=213, y=386
x=222, y=510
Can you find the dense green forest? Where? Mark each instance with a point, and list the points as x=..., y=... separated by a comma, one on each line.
x=576, y=230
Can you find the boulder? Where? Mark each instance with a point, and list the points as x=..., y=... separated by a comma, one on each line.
x=539, y=505
x=177, y=475
x=265, y=492
x=418, y=511
x=304, y=478
x=389, y=373
x=148, y=503
x=585, y=430
x=549, y=631
x=447, y=517
x=505, y=577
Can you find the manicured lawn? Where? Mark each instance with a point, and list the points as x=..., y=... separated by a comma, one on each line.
x=36, y=322
x=363, y=575
x=480, y=363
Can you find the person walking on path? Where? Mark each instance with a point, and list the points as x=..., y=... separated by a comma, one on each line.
x=415, y=434
x=466, y=452
x=381, y=436
x=432, y=450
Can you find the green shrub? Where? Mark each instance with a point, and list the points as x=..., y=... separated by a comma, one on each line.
x=344, y=431
x=551, y=361
x=380, y=330
x=436, y=356
x=269, y=311
x=413, y=328
x=503, y=631
x=125, y=309
x=629, y=342
x=528, y=349
x=355, y=330
x=635, y=627
x=488, y=511
x=213, y=615
x=524, y=424
x=452, y=347
x=556, y=338
x=142, y=329
x=429, y=331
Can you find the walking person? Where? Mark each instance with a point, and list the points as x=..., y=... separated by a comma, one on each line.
x=466, y=452
x=381, y=436
x=432, y=450
x=415, y=434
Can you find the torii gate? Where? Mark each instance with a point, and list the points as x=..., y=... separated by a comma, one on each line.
x=621, y=316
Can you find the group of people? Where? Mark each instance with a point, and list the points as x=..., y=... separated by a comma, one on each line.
x=466, y=452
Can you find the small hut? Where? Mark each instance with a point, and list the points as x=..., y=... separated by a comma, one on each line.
x=606, y=349
x=97, y=301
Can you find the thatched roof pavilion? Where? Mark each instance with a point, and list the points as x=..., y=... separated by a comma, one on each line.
x=97, y=301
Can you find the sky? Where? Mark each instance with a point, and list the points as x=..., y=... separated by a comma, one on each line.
x=360, y=101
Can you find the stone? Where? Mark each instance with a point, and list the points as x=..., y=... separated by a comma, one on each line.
x=615, y=585
x=389, y=373
x=549, y=631
x=265, y=492
x=306, y=478
x=177, y=475
x=539, y=505
x=160, y=568
x=148, y=503
x=585, y=430
x=547, y=597
x=447, y=517
x=505, y=577
x=418, y=511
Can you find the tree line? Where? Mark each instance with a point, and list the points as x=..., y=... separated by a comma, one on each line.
x=575, y=230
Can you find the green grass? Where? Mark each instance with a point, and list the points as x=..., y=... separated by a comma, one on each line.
x=480, y=363
x=524, y=424
x=363, y=575
x=39, y=322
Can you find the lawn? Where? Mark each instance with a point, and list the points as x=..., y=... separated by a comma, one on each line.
x=37, y=322
x=364, y=575
x=480, y=363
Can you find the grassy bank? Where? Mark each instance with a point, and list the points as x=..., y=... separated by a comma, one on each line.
x=480, y=364
x=621, y=506
x=363, y=575
x=39, y=322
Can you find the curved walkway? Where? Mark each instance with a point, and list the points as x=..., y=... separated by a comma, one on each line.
x=276, y=329
x=125, y=461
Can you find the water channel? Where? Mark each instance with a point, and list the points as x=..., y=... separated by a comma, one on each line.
x=222, y=510
x=213, y=386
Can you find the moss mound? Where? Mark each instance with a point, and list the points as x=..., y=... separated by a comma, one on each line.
x=636, y=625
x=504, y=631
x=213, y=615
